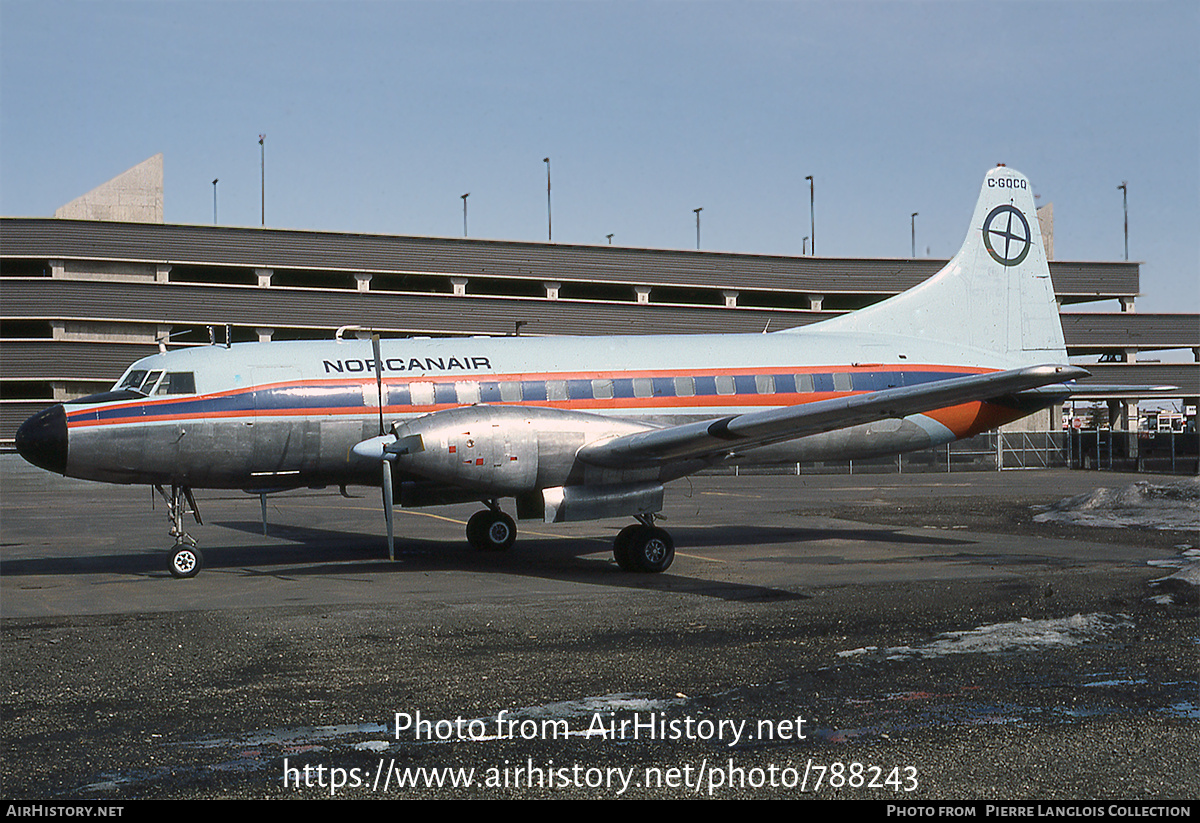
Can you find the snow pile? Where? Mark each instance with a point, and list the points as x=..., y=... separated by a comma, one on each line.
x=1139, y=505
x=1023, y=635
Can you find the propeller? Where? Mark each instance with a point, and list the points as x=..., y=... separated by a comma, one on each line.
x=386, y=458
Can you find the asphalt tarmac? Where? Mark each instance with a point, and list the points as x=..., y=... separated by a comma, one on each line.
x=902, y=637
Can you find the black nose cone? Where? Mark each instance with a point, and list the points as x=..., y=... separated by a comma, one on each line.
x=42, y=439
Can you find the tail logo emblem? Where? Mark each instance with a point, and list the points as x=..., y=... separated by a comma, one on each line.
x=1014, y=239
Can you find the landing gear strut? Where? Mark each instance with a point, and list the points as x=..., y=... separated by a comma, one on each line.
x=491, y=530
x=643, y=547
x=186, y=560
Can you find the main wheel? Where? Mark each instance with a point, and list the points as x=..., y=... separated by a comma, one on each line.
x=621, y=545
x=186, y=561
x=491, y=531
x=651, y=549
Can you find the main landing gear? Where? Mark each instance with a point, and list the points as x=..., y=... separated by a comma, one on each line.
x=186, y=560
x=644, y=547
x=491, y=530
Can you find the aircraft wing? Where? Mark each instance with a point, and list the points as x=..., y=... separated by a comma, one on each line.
x=710, y=438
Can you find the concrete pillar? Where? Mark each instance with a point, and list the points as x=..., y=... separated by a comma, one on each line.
x=459, y=284
x=730, y=299
x=58, y=268
x=643, y=293
x=552, y=290
x=815, y=301
x=264, y=277
x=162, y=273
x=362, y=281
x=264, y=334
x=1127, y=304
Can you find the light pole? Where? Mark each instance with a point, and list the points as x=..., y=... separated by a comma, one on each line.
x=812, y=220
x=609, y=236
x=215, y=201
x=804, y=246
x=914, y=233
x=549, y=219
x=464, y=199
x=697, y=211
x=262, y=151
x=1124, y=187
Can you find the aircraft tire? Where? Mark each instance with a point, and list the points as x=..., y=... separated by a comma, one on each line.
x=621, y=546
x=651, y=549
x=186, y=561
x=491, y=531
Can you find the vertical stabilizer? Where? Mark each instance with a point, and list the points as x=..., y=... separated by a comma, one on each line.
x=995, y=295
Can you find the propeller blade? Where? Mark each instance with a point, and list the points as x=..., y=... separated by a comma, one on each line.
x=378, y=379
x=387, y=508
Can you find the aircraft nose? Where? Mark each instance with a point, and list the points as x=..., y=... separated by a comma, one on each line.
x=42, y=439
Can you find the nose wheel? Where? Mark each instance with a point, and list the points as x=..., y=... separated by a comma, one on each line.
x=186, y=561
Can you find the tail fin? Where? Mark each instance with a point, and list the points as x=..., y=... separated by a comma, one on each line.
x=995, y=294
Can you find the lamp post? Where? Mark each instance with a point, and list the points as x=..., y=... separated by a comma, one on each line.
x=1124, y=187
x=609, y=236
x=549, y=220
x=697, y=211
x=914, y=233
x=215, y=201
x=464, y=199
x=812, y=220
x=262, y=152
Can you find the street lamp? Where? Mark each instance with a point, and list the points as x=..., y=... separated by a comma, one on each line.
x=1124, y=187
x=697, y=211
x=262, y=151
x=215, y=201
x=914, y=233
x=549, y=220
x=812, y=220
x=609, y=236
x=464, y=199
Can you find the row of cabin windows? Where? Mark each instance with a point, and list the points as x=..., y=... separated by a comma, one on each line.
x=467, y=392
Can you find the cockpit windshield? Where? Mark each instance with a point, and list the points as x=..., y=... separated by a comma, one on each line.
x=144, y=382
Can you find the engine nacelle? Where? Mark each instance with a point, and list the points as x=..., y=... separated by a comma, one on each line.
x=503, y=450
x=571, y=503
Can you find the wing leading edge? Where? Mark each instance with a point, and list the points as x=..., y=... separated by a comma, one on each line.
x=711, y=438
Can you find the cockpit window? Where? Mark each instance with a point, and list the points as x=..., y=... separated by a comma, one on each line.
x=143, y=382
x=133, y=380
x=148, y=384
x=177, y=382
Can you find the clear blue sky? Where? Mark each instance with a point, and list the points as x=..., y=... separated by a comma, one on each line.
x=379, y=115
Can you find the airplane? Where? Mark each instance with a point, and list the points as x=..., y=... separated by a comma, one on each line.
x=581, y=428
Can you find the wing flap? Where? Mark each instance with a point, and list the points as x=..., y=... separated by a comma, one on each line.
x=723, y=435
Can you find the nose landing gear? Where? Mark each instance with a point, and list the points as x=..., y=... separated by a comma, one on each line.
x=186, y=560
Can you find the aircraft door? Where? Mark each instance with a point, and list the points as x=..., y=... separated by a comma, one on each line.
x=276, y=435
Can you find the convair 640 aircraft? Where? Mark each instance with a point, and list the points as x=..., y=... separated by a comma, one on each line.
x=581, y=428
